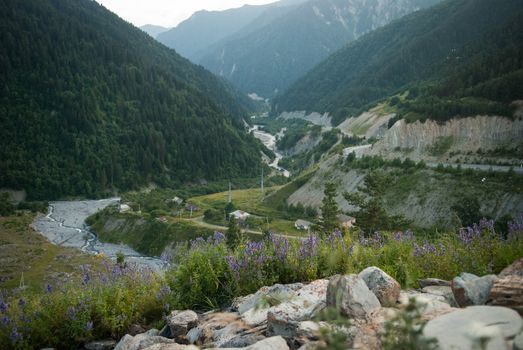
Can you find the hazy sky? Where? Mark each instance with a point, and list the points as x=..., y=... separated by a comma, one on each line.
x=169, y=13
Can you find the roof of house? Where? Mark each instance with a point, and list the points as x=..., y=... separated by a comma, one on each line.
x=345, y=218
x=301, y=222
x=239, y=213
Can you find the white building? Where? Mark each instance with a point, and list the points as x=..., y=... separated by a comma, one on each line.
x=239, y=215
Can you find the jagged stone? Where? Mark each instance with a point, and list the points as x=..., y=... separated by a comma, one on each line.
x=508, y=291
x=273, y=343
x=172, y=346
x=431, y=305
x=297, y=302
x=100, y=345
x=469, y=289
x=426, y=282
x=516, y=268
x=444, y=291
x=386, y=288
x=463, y=329
x=141, y=341
x=180, y=322
x=224, y=329
x=351, y=297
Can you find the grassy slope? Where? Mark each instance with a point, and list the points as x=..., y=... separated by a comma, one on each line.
x=22, y=250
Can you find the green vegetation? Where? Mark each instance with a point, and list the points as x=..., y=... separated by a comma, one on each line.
x=145, y=234
x=478, y=71
x=328, y=221
x=209, y=275
x=27, y=258
x=441, y=146
x=304, y=160
x=372, y=215
x=108, y=108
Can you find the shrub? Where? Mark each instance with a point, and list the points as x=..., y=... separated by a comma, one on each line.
x=102, y=303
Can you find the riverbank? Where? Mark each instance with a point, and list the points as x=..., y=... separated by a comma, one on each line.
x=65, y=226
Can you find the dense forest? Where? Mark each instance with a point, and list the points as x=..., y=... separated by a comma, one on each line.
x=90, y=104
x=454, y=56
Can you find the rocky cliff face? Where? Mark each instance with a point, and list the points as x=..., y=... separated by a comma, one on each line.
x=433, y=141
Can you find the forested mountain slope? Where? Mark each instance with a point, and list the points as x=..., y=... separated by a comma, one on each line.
x=458, y=57
x=269, y=54
x=89, y=103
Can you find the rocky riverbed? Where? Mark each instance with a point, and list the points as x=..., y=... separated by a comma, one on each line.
x=64, y=225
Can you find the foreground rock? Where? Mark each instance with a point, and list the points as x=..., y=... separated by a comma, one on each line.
x=507, y=289
x=295, y=302
x=224, y=329
x=427, y=282
x=386, y=288
x=180, y=322
x=100, y=345
x=465, y=329
x=469, y=289
x=142, y=341
x=350, y=295
x=273, y=343
x=430, y=305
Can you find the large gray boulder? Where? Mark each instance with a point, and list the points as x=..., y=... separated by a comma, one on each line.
x=518, y=342
x=180, y=322
x=431, y=305
x=100, y=345
x=443, y=291
x=350, y=295
x=426, y=282
x=464, y=329
x=296, y=302
x=273, y=343
x=469, y=289
x=386, y=288
x=141, y=341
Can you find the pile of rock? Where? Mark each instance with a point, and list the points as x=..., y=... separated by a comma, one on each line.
x=460, y=313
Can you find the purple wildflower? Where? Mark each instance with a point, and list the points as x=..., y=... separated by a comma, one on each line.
x=15, y=336
x=21, y=302
x=233, y=265
x=6, y=320
x=48, y=289
x=71, y=313
x=89, y=326
x=3, y=307
x=218, y=237
x=163, y=292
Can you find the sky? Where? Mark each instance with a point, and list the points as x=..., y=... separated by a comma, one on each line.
x=169, y=13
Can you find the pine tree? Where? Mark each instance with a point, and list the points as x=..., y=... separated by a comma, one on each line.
x=328, y=221
x=234, y=234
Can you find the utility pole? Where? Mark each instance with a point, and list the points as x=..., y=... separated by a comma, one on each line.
x=230, y=193
x=262, y=182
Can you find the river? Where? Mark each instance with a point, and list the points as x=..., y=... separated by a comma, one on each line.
x=269, y=141
x=64, y=225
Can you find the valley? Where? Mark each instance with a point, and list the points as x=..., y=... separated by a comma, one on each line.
x=295, y=175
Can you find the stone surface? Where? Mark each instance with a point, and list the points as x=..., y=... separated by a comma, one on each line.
x=223, y=329
x=444, y=291
x=432, y=305
x=386, y=288
x=426, y=282
x=350, y=295
x=469, y=289
x=460, y=329
x=180, y=322
x=141, y=341
x=297, y=302
x=172, y=346
x=508, y=291
x=273, y=343
x=516, y=268
x=100, y=345
x=518, y=342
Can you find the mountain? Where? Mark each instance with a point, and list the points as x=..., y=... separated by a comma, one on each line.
x=153, y=30
x=269, y=54
x=458, y=57
x=90, y=104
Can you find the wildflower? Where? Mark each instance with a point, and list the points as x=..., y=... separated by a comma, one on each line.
x=15, y=336
x=48, y=289
x=6, y=320
x=3, y=307
x=233, y=265
x=218, y=238
x=163, y=292
x=21, y=302
x=89, y=326
x=71, y=313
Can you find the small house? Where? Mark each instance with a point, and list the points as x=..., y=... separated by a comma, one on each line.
x=346, y=221
x=175, y=200
x=302, y=224
x=239, y=215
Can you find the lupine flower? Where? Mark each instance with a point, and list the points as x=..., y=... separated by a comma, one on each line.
x=308, y=247
x=218, y=237
x=163, y=292
x=15, y=336
x=6, y=320
x=71, y=313
x=89, y=326
x=3, y=306
x=233, y=265
x=48, y=288
x=21, y=302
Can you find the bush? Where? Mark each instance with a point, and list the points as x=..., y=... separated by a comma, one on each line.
x=101, y=304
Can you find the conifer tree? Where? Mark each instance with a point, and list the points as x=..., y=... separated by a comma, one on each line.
x=328, y=221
